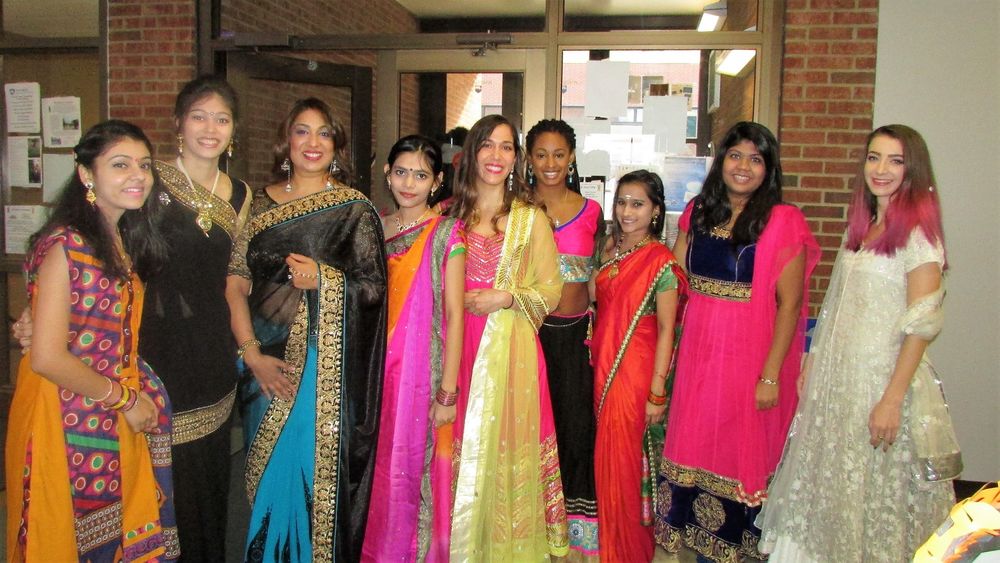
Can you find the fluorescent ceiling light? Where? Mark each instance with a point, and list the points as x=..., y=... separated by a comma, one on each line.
x=713, y=16
x=735, y=61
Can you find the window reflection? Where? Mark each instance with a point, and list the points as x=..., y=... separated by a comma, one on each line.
x=601, y=15
x=660, y=110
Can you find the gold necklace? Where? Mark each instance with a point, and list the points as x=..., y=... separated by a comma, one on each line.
x=619, y=255
x=203, y=220
x=400, y=227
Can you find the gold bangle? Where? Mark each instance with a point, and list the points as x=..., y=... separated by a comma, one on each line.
x=767, y=381
x=122, y=400
x=246, y=345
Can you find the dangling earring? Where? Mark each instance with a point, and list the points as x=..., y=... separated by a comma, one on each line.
x=569, y=173
x=531, y=176
x=229, y=149
x=287, y=167
x=433, y=189
x=90, y=196
x=333, y=170
x=510, y=181
x=180, y=144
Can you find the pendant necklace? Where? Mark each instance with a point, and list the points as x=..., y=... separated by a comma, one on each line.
x=400, y=227
x=203, y=220
x=619, y=255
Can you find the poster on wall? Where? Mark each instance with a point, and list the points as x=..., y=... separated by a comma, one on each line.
x=20, y=222
x=57, y=170
x=22, y=107
x=24, y=158
x=607, y=89
x=61, y=121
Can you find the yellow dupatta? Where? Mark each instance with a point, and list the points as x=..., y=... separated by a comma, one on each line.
x=500, y=497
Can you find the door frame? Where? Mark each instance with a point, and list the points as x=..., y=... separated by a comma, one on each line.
x=392, y=63
x=242, y=66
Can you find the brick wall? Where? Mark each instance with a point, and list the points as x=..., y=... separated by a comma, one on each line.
x=826, y=112
x=151, y=48
x=827, y=91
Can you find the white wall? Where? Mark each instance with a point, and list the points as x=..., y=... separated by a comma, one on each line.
x=938, y=71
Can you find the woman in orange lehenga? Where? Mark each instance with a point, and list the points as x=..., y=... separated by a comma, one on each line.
x=637, y=287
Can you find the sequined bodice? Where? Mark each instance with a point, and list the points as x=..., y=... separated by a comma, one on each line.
x=719, y=270
x=482, y=257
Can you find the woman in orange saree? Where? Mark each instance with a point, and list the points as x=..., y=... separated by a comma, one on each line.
x=636, y=286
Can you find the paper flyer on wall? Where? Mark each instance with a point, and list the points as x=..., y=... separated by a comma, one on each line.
x=24, y=161
x=58, y=168
x=20, y=222
x=22, y=107
x=61, y=121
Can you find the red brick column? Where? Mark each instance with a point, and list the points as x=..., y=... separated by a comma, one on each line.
x=828, y=76
x=151, y=54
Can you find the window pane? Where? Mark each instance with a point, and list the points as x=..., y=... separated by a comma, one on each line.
x=601, y=15
x=671, y=106
x=50, y=18
x=462, y=16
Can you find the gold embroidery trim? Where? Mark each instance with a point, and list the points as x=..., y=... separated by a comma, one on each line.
x=517, y=237
x=198, y=199
x=319, y=201
x=329, y=397
x=194, y=424
x=278, y=409
x=733, y=291
x=718, y=485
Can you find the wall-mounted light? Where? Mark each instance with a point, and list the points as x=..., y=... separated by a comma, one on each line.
x=713, y=16
x=735, y=62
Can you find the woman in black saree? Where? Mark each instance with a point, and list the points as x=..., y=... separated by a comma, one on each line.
x=307, y=291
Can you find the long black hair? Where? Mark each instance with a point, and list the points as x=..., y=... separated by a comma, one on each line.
x=558, y=127
x=712, y=209
x=139, y=228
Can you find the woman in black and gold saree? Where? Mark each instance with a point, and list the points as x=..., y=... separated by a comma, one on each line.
x=307, y=292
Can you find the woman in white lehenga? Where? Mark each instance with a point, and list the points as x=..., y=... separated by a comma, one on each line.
x=855, y=482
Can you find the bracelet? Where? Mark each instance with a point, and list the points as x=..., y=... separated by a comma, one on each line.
x=132, y=400
x=446, y=399
x=511, y=302
x=111, y=389
x=124, y=398
x=658, y=400
x=246, y=345
x=767, y=381
x=293, y=272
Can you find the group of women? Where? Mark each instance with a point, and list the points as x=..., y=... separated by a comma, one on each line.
x=424, y=385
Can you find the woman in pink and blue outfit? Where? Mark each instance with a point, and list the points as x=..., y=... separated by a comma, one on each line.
x=577, y=222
